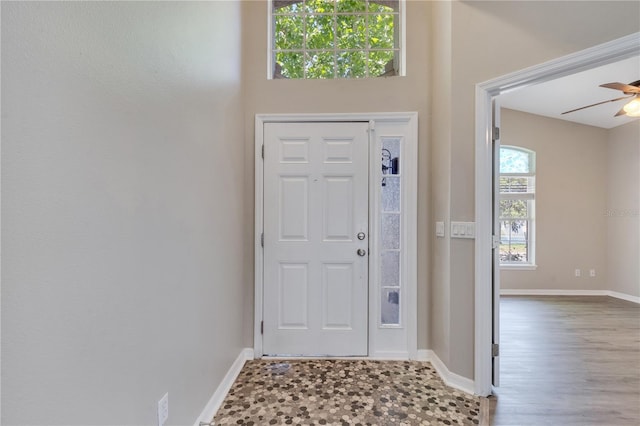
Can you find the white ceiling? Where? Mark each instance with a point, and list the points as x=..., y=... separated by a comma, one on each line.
x=552, y=98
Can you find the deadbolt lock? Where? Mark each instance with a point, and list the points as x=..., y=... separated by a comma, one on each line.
x=361, y=236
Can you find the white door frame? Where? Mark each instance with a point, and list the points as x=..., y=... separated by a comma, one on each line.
x=377, y=335
x=602, y=54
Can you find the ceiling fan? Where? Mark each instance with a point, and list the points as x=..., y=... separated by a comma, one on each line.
x=631, y=90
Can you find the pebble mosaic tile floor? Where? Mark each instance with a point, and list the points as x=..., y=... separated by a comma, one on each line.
x=344, y=392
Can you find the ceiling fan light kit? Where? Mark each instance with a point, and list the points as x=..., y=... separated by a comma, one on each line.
x=632, y=109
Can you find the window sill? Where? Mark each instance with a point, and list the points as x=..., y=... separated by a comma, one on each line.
x=511, y=267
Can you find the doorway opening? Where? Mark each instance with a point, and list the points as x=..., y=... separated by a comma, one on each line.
x=487, y=295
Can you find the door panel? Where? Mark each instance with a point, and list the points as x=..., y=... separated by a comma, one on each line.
x=294, y=208
x=337, y=296
x=338, y=151
x=315, y=203
x=293, y=291
x=337, y=208
x=294, y=151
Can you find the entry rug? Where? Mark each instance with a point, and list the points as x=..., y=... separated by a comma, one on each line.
x=344, y=392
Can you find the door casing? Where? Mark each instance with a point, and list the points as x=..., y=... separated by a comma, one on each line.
x=384, y=342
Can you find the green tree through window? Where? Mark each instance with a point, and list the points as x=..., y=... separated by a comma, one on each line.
x=335, y=38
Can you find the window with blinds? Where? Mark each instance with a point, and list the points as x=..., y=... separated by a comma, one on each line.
x=517, y=206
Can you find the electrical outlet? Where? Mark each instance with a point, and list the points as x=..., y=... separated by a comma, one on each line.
x=163, y=409
x=592, y=272
x=578, y=273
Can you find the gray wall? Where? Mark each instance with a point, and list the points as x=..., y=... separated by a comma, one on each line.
x=440, y=171
x=587, y=204
x=623, y=209
x=571, y=188
x=122, y=209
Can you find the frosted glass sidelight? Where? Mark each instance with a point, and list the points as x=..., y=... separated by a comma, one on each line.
x=390, y=312
x=392, y=145
x=390, y=228
x=391, y=195
x=390, y=265
x=390, y=231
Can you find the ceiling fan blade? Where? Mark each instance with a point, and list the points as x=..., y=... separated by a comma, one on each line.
x=625, y=88
x=599, y=103
x=621, y=112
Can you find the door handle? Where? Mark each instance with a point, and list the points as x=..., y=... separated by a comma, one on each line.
x=361, y=252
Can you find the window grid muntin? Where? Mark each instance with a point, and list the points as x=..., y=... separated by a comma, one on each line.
x=302, y=12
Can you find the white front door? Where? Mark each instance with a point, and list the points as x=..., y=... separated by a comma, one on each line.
x=316, y=238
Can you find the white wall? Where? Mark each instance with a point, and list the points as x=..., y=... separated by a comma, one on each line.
x=571, y=175
x=623, y=209
x=122, y=209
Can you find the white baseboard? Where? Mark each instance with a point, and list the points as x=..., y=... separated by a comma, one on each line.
x=623, y=296
x=551, y=292
x=560, y=292
x=423, y=354
x=390, y=355
x=450, y=379
x=221, y=392
x=376, y=356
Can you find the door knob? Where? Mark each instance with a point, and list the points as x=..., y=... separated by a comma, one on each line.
x=361, y=252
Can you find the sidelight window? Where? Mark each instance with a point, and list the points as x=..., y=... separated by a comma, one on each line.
x=391, y=254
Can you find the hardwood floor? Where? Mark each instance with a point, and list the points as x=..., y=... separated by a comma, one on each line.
x=568, y=360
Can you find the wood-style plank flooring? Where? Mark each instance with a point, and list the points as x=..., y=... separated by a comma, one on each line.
x=568, y=360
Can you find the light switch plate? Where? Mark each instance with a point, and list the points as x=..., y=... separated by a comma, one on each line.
x=439, y=229
x=463, y=230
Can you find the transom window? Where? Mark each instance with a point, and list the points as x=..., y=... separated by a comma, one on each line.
x=517, y=205
x=324, y=39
